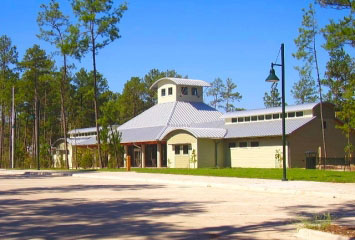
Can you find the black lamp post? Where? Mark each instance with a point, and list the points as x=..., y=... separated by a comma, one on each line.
x=273, y=78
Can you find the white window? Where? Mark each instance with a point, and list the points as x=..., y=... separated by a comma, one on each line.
x=163, y=92
x=194, y=91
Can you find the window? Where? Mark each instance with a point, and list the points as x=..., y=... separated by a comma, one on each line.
x=275, y=116
x=291, y=114
x=299, y=114
x=268, y=117
x=163, y=92
x=247, y=119
x=254, y=118
x=185, y=149
x=243, y=144
x=177, y=149
x=194, y=91
x=232, y=145
x=234, y=120
x=170, y=91
x=240, y=119
x=254, y=144
x=184, y=91
x=261, y=117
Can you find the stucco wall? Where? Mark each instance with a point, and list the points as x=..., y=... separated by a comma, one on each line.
x=180, y=137
x=309, y=138
x=167, y=98
x=262, y=156
x=189, y=97
x=206, y=153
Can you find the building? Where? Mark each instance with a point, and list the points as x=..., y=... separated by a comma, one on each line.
x=181, y=131
x=79, y=139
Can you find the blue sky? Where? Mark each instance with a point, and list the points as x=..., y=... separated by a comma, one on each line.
x=203, y=39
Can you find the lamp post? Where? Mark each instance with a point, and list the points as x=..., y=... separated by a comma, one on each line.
x=273, y=78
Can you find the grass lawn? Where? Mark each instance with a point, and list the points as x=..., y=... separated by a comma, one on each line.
x=266, y=173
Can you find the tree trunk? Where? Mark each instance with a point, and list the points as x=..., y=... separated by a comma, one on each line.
x=2, y=133
x=95, y=99
x=320, y=99
x=62, y=101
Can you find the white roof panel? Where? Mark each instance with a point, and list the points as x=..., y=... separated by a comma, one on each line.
x=149, y=125
x=182, y=81
x=197, y=132
x=264, y=128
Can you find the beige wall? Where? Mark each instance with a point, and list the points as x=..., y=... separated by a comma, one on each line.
x=255, y=157
x=309, y=138
x=189, y=97
x=176, y=96
x=204, y=149
x=206, y=153
x=56, y=157
x=167, y=98
x=180, y=137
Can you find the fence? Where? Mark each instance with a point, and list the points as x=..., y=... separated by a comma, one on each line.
x=334, y=163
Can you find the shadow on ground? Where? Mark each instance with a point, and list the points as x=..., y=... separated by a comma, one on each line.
x=77, y=218
x=341, y=213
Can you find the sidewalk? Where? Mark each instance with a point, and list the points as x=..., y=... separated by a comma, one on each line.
x=332, y=190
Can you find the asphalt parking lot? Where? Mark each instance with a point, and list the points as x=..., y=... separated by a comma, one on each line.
x=67, y=207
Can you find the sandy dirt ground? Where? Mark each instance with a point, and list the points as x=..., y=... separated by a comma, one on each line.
x=54, y=207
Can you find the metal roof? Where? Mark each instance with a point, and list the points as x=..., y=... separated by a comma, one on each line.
x=152, y=123
x=264, y=128
x=182, y=81
x=144, y=134
x=82, y=130
x=197, y=132
x=82, y=141
x=264, y=111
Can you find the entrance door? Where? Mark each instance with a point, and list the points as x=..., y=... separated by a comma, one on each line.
x=137, y=157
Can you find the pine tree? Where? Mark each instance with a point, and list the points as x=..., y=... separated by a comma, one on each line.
x=216, y=92
x=273, y=99
x=304, y=91
x=99, y=20
x=307, y=52
x=230, y=95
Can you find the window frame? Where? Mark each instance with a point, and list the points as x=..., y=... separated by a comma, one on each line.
x=194, y=91
x=254, y=144
x=163, y=92
x=232, y=145
x=183, y=149
x=243, y=144
x=184, y=93
x=177, y=149
x=170, y=91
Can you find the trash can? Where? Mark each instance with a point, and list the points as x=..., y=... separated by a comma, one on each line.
x=310, y=159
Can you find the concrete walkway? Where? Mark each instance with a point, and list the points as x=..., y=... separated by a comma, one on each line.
x=334, y=190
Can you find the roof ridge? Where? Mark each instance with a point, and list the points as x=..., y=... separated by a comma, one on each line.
x=171, y=114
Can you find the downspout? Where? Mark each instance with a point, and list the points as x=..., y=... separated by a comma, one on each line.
x=216, y=142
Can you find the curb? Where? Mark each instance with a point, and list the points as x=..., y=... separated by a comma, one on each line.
x=309, y=234
x=35, y=173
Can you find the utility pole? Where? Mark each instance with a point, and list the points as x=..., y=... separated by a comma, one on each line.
x=13, y=129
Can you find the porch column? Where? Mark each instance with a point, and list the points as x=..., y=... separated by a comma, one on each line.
x=125, y=155
x=143, y=155
x=159, y=155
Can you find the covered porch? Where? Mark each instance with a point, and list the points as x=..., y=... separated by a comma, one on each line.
x=146, y=154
